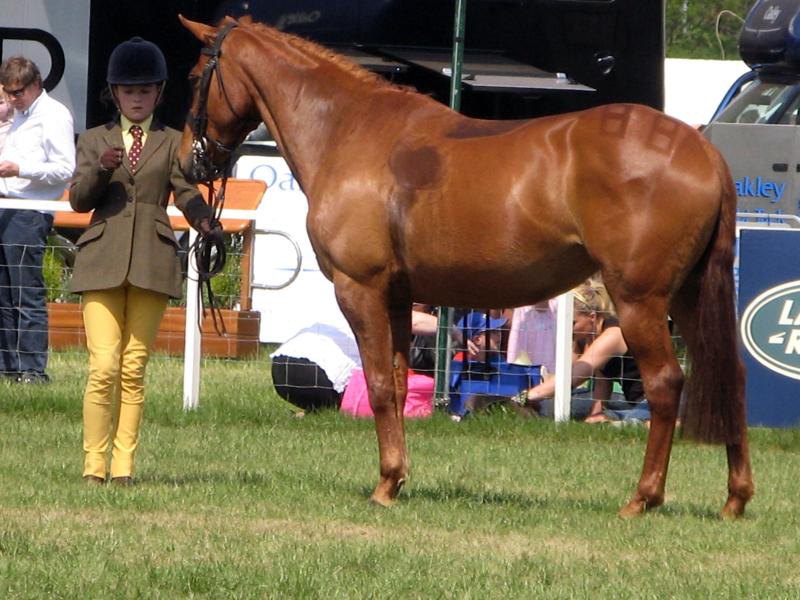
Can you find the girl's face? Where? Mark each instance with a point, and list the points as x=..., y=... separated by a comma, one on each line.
x=584, y=324
x=136, y=102
x=5, y=107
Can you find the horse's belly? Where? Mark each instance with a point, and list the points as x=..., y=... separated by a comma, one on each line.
x=500, y=282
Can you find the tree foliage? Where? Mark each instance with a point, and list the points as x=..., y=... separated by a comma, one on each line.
x=691, y=24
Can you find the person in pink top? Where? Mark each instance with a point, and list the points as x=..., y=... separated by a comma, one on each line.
x=532, y=338
x=320, y=368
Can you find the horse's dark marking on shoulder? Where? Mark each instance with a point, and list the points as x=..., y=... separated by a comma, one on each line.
x=473, y=128
x=416, y=168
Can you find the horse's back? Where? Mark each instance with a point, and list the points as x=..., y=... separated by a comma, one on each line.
x=472, y=204
x=563, y=193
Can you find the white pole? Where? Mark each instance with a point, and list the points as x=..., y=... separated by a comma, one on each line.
x=563, y=395
x=191, y=353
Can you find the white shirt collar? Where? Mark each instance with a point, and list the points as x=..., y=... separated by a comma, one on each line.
x=29, y=110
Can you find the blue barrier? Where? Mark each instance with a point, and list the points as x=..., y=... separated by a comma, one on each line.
x=497, y=378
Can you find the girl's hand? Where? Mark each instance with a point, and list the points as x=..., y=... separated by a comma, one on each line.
x=211, y=230
x=111, y=158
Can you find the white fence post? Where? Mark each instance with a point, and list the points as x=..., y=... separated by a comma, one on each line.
x=193, y=335
x=563, y=395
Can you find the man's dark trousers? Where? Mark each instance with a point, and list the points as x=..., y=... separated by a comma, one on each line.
x=23, y=296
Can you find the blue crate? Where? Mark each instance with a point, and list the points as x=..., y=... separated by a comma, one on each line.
x=498, y=378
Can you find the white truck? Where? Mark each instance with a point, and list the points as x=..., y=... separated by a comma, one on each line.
x=757, y=126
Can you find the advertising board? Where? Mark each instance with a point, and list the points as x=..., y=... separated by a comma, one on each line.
x=769, y=309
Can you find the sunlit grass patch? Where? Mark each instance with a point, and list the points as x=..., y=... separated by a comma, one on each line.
x=241, y=499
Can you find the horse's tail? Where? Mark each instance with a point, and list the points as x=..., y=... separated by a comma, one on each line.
x=714, y=401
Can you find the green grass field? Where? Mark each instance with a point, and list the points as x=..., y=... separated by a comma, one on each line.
x=240, y=499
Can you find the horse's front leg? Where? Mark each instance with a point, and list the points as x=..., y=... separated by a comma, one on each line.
x=382, y=327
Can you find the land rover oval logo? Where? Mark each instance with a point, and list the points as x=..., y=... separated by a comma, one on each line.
x=771, y=329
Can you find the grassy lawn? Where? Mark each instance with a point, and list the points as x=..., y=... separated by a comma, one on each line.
x=240, y=499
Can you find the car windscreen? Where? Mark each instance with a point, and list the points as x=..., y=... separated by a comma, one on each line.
x=763, y=102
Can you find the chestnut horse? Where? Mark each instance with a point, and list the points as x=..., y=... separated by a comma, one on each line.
x=411, y=201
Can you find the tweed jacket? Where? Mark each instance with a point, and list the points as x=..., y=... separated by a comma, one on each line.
x=129, y=238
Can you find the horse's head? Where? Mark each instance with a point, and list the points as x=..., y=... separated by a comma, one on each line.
x=222, y=111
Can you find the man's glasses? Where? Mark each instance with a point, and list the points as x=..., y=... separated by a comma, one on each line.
x=16, y=93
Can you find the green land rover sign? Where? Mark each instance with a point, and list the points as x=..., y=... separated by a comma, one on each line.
x=771, y=329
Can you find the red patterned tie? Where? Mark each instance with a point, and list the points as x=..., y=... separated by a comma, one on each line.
x=136, y=148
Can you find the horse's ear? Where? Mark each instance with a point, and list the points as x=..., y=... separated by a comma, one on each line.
x=229, y=19
x=205, y=33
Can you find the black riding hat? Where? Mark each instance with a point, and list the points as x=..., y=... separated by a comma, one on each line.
x=136, y=61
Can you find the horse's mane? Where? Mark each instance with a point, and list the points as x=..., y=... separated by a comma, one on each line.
x=315, y=51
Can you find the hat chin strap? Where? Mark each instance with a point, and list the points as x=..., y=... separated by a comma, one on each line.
x=161, y=92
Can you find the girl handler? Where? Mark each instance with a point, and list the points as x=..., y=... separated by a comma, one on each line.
x=127, y=265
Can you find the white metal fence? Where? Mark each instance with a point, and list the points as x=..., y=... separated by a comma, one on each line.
x=193, y=334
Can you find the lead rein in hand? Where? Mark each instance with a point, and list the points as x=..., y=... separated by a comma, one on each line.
x=210, y=255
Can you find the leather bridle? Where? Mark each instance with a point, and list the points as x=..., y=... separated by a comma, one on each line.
x=210, y=255
x=202, y=167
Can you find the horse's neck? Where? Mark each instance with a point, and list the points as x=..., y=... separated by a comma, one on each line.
x=307, y=113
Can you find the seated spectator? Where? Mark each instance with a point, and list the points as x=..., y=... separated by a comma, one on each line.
x=319, y=367
x=481, y=336
x=600, y=354
x=312, y=368
x=422, y=355
x=480, y=376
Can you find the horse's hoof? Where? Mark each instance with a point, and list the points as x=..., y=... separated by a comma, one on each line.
x=381, y=500
x=386, y=492
x=634, y=508
x=733, y=509
x=638, y=506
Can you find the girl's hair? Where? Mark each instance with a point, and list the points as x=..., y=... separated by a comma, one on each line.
x=591, y=296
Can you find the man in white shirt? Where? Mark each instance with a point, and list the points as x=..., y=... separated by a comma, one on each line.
x=37, y=161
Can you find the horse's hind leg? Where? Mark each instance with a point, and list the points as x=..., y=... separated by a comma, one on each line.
x=740, y=480
x=740, y=475
x=382, y=328
x=647, y=336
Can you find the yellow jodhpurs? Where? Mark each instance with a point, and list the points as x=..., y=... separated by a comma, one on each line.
x=121, y=325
